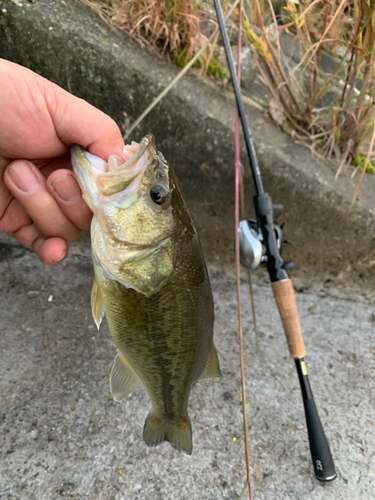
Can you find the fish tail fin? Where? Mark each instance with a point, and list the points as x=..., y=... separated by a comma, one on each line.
x=156, y=431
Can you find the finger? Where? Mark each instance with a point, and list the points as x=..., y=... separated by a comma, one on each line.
x=64, y=188
x=14, y=216
x=76, y=121
x=28, y=186
x=46, y=167
x=64, y=118
x=50, y=251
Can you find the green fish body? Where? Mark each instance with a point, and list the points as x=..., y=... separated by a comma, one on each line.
x=152, y=284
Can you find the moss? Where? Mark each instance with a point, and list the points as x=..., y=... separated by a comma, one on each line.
x=359, y=162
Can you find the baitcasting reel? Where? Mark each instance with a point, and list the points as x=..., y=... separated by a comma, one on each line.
x=252, y=248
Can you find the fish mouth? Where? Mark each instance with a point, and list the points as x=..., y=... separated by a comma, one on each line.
x=98, y=178
x=89, y=161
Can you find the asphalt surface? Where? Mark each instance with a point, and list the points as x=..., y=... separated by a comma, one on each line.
x=62, y=436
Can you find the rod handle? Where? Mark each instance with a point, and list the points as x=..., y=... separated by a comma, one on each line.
x=321, y=455
x=286, y=304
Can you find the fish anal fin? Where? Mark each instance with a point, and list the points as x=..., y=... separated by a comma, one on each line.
x=212, y=368
x=123, y=380
x=156, y=431
x=97, y=304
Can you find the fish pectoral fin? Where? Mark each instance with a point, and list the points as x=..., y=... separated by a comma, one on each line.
x=156, y=430
x=123, y=380
x=97, y=304
x=212, y=368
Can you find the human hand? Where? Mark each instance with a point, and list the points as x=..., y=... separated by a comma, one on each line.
x=40, y=201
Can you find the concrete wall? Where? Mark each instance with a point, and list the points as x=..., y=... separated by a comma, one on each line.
x=68, y=44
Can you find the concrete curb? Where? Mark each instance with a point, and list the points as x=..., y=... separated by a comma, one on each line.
x=68, y=44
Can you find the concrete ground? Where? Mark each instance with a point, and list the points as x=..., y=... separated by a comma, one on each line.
x=62, y=436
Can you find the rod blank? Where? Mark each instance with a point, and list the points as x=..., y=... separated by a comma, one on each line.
x=241, y=109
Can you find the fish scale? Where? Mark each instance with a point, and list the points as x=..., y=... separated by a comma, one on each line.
x=165, y=337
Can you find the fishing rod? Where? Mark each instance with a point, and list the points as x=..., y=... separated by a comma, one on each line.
x=260, y=243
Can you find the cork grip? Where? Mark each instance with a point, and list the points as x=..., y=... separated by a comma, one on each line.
x=286, y=304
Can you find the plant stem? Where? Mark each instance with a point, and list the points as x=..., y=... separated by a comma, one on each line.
x=237, y=169
x=178, y=77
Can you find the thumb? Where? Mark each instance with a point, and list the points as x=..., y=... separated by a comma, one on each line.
x=78, y=122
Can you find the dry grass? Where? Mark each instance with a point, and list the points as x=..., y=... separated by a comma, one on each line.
x=330, y=111
x=166, y=25
x=175, y=28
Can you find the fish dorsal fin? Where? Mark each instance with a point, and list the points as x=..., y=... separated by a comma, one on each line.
x=97, y=304
x=123, y=380
x=212, y=368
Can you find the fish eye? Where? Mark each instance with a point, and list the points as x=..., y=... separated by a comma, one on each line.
x=158, y=194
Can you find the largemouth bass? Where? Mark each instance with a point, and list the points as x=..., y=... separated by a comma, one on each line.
x=151, y=282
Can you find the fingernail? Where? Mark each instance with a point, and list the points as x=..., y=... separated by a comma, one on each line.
x=63, y=256
x=67, y=189
x=23, y=177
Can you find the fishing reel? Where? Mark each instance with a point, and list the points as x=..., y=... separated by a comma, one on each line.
x=252, y=249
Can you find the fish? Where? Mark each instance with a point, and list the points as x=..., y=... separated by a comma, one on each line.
x=151, y=283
